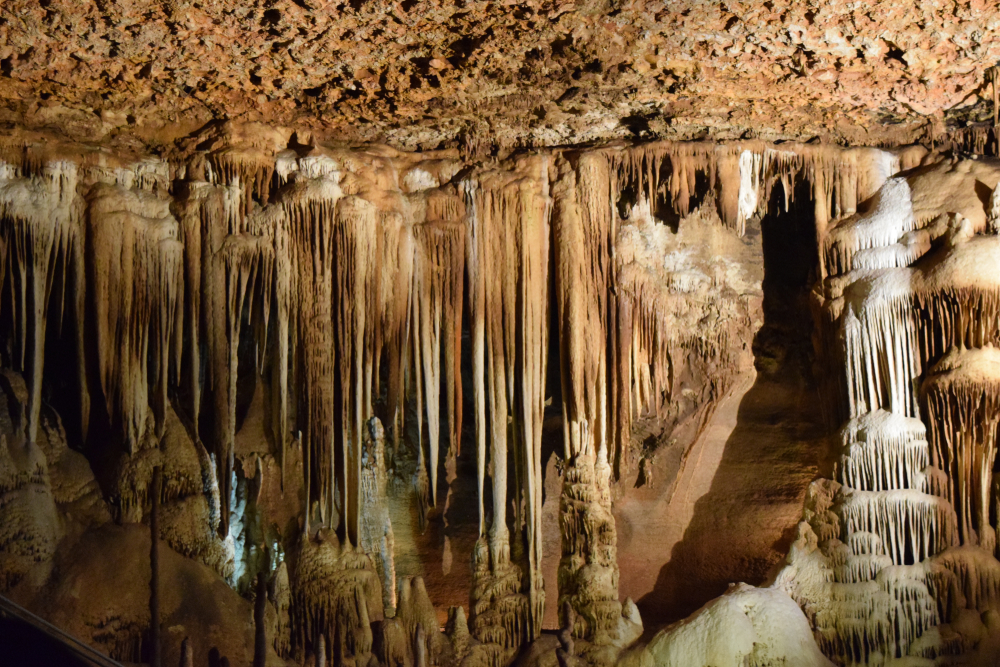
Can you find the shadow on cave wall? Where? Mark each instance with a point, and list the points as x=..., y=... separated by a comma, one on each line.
x=743, y=525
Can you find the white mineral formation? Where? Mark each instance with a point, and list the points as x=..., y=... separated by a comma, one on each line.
x=746, y=626
x=877, y=566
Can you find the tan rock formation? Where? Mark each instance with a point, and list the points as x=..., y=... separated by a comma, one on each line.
x=490, y=78
x=249, y=307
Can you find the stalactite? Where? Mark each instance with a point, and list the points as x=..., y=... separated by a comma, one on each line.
x=229, y=261
x=42, y=233
x=136, y=275
x=354, y=241
x=439, y=260
x=903, y=290
x=249, y=170
x=962, y=398
x=358, y=258
x=354, y=248
x=912, y=525
x=309, y=207
x=477, y=306
x=896, y=319
x=583, y=231
x=890, y=218
x=860, y=604
x=508, y=259
x=883, y=451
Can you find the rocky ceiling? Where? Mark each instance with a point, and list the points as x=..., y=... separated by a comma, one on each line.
x=493, y=76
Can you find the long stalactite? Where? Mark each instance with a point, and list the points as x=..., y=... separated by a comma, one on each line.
x=350, y=272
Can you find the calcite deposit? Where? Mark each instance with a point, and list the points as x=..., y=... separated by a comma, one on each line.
x=479, y=334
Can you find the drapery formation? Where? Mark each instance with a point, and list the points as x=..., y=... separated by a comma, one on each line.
x=346, y=276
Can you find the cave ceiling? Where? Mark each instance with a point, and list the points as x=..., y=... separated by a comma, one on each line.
x=494, y=77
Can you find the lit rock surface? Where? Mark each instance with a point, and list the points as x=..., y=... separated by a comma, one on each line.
x=490, y=76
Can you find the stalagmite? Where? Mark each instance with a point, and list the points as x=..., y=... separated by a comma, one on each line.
x=588, y=573
x=403, y=635
x=259, y=616
x=279, y=594
x=375, y=532
x=321, y=651
x=326, y=283
x=420, y=647
x=187, y=653
x=457, y=631
x=336, y=595
x=917, y=320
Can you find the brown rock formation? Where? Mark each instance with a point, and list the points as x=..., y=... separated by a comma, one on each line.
x=249, y=305
x=489, y=77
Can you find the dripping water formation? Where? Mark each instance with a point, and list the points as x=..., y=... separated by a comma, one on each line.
x=497, y=398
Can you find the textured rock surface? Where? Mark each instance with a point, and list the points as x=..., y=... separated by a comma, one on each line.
x=491, y=76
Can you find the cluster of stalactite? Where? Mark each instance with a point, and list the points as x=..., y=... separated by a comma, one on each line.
x=349, y=273
x=902, y=543
x=961, y=395
x=508, y=260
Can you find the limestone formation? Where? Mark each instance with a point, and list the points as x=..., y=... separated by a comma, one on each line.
x=376, y=538
x=246, y=309
x=543, y=74
x=894, y=554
